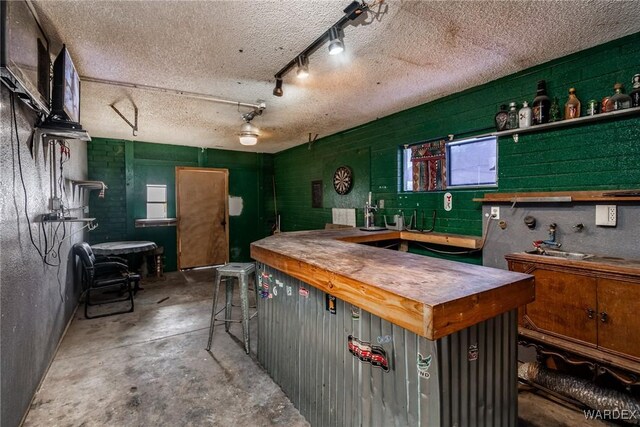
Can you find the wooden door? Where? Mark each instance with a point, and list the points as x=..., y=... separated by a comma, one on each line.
x=618, y=326
x=203, y=216
x=562, y=304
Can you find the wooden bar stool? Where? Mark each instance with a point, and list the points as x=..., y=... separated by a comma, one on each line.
x=229, y=272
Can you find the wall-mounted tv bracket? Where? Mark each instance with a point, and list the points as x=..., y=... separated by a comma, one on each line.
x=134, y=126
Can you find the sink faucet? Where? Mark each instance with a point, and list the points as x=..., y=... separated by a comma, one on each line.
x=369, y=217
x=551, y=241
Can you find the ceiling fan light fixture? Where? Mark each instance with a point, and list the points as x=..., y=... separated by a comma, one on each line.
x=248, y=134
x=336, y=46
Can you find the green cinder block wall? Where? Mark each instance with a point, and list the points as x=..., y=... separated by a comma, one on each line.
x=127, y=167
x=603, y=155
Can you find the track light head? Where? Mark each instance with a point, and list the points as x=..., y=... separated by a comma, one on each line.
x=335, y=44
x=354, y=10
x=278, y=89
x=303, y=66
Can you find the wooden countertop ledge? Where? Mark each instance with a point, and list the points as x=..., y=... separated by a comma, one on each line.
x=429, y=296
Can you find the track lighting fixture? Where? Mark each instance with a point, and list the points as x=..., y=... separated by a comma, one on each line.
x=335, y=44
x=278, y=89
x=303, y=67
x=333, y=35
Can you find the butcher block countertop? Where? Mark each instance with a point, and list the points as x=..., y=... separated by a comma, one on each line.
x=429, y=296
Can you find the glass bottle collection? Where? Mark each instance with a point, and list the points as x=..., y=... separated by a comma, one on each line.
x=544, y=110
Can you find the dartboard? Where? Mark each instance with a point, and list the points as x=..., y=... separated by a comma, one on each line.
x=342, y=180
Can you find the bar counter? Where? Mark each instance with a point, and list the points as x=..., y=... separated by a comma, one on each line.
x=361, y=335
x=429, y=296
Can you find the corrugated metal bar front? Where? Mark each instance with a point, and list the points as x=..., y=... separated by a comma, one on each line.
x=479, y=378
x=465, y=379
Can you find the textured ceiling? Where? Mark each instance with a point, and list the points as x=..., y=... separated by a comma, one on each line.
x=413, y=52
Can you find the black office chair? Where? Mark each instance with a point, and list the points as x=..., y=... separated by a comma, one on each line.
x=103, y=273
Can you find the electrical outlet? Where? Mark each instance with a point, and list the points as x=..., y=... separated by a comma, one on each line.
x=495, y=212
x=381, y=203
x=55, y=204
x=606, y=215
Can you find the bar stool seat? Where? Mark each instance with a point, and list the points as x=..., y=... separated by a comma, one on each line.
x=234, y=273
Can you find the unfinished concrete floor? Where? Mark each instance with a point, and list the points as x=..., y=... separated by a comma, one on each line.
x=150, y=368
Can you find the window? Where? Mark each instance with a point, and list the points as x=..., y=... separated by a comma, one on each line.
x=156, y=201
x=424, y=166
x=437, y=165
x=407, y=170
x=472, y=162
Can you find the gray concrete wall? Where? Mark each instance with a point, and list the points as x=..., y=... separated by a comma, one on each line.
x=621, y=241
x=37, y=301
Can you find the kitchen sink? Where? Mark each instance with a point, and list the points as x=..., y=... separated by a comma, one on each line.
x=562, y=254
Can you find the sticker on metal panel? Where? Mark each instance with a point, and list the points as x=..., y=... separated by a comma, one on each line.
x=289, y=291
x=423, y=366
x=303, y=292
x=275, y=291
x=270, y=296
x=385, y=339
x=367, y=353
x=331, y=304
x=279, y=283
x=264, y=294
x=472, y=353
x=355, y=312
x=265, y=286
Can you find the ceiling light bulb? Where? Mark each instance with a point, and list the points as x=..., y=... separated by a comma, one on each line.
x=335, y=44
x=335, y=47
x=278, y=89
x=248, y=140
x=248, y=134
x=303, y=67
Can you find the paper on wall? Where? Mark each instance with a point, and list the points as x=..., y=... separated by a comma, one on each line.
x=344, y=216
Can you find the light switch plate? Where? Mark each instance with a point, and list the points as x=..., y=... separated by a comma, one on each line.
x=606, y=215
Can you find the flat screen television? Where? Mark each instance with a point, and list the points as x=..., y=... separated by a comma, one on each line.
x=65, y=97
x=24, y=54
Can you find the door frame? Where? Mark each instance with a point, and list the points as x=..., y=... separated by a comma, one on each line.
x=225, y=172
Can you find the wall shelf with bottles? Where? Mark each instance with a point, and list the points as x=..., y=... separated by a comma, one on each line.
x=612, y=115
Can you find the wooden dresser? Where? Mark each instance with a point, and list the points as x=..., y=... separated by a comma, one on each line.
x=586, y=311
